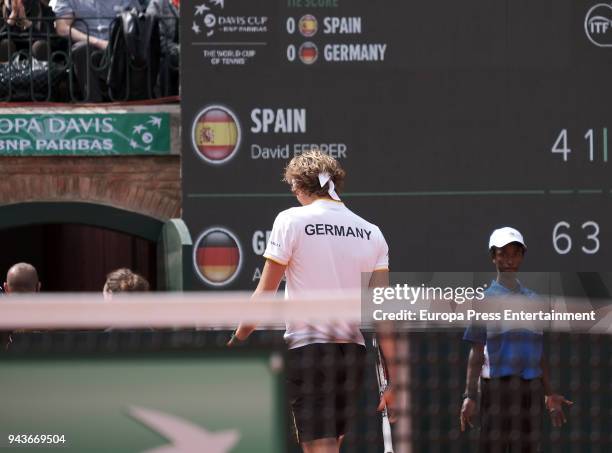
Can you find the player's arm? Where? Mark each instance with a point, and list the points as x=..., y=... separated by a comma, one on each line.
x=554, y=402
x=386, y=341
x=475, y=362
x=268, y=283
x=380, y=279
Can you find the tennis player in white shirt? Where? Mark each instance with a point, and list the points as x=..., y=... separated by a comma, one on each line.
x=323, y=246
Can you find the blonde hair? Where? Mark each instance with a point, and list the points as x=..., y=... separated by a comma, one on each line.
x=302, y=172
x=124, y=280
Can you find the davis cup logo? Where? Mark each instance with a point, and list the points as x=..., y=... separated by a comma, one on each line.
x=217, y=256
x=216, y=134
x=206, y=11
x=598, y=25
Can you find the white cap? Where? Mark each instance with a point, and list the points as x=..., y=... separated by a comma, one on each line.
x=504, y=236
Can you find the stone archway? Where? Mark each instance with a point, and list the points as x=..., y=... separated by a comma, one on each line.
x=144, y=185
x=74, y=245
x=98, y=215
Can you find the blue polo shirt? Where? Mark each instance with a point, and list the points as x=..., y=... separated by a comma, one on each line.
x=516, y=352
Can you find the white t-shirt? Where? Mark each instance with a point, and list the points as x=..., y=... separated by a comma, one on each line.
x=325, y=246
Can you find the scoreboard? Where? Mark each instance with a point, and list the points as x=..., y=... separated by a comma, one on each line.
x=451, y=119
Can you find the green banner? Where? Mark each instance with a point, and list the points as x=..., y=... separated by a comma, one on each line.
x=143, y=403
x=85, y=134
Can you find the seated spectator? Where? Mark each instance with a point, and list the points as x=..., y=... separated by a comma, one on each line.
x=87, y=24
x=124, y=280
x=26, y=25
x=168, y=13
x=21, y=278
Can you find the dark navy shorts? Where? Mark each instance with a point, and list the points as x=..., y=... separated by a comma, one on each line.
x=324, y=382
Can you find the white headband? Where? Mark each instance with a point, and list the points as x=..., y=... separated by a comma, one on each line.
x=324, y=178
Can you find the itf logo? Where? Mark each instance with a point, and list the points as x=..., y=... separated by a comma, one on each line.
x=598, y=25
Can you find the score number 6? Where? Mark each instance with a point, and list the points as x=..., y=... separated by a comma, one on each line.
x=559, y=238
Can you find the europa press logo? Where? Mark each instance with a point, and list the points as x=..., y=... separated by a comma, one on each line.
x=598, y=25
x=217, y=256
x=216, y=134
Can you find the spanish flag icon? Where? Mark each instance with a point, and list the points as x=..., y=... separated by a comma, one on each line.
x=308, y=25
x=217, y=256
x=216, y=134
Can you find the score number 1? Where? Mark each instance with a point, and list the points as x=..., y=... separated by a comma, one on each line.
x=562, y=241
x=561, y=146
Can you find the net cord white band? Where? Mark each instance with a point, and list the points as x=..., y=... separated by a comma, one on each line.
x=228, y=309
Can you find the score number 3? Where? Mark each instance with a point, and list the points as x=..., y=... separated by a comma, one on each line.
x=562, y=242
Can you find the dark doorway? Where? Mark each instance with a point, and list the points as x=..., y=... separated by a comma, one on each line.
x=72, y=257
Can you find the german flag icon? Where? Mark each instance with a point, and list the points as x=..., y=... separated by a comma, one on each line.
x=216, y=134
x=217, y=256
x=308, y=52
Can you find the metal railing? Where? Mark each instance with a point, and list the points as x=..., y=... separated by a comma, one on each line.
x=38, y=65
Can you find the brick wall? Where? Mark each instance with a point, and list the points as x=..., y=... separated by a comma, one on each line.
x=147, y=185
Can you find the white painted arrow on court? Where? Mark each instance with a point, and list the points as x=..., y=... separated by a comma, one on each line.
x=184, y=436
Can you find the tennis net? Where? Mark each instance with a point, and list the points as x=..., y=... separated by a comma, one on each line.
x=150, y=371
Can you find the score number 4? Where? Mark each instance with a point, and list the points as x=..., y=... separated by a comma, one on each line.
x=561, y=146
x=562, y=241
